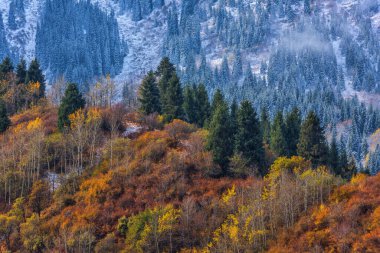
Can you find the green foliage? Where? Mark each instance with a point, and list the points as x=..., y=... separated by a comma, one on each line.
x=189, y=104
x=172, y=108
x=334, y=156
x=265, y=125
x=248, y=141
x=220, y=141
x=5, y=122
x=35, y=75
x=277, y=136
x=292, y=133
x=149, y=95
x=6, y=67
x=203, y=105
x=312, y=143
x=21, y=72
x=71, y=102
x=217, y=100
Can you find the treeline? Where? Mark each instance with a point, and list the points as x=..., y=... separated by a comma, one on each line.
x=241, y=143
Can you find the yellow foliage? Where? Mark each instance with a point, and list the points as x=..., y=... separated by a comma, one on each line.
x=35, y=124
x=320, y=215
x=77, y=119
x=168, y=219
x=227, y=196
x=357, y=179
x=93, y=115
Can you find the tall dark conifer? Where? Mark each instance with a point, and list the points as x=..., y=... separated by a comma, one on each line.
x=149, y=95
x=203, y=105
x=292, y=133
x=277, y=136
x=173, y=106
x=6, y=67
x=189, y=104
x=21, y=71
x=35, y=75
x=265, y=125
x=5, y=122
x=71, y=102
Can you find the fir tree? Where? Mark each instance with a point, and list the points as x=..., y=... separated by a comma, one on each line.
x=219, y=141
x=265, y=125
x=189, y=104
x=334, y=156
x=35, y=75
x=277, y=136
x=149, y=95
x=165, y=72
x=173, y=107
x=312, y=143
x=233, y=118
x=6, y=67
x=71, y=102
x=203, y=105
x=217, y=100
x=5, y=122
x=248, y=140
x=292, y=133
x=21, y=71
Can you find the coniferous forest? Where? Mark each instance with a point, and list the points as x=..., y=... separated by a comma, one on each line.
x=189, y=126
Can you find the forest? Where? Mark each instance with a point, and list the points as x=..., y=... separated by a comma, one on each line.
x=171, y=169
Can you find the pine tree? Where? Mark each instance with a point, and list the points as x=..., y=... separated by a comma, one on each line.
x=35, y=75
x=6, y=67
x=248, y=140
x=203, y=105
x=149, y=95
x=277, y=136
x=165, y=72
x=172, y=108
x=233, y=118
x=306, y=7
x=312, y=143
x=5, y=122
x=217, y=100
x=219, y=141
x=334, y=156
x=292, y=133
x=21, y=71
x=71, y=102
x=189, y=104
x=265, y=125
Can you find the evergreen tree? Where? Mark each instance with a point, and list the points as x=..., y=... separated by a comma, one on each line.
x=217, y=100
x=165, y=72
x=6, y=67
x=203, y=105
x=292, y=133
x=248, y=141
x=312, y=143
x=71, y=102
x=5, y=122
x=219, y=141
x=189, y=104
x=334, y=161
x=374, y=161
x=277, y=136
x=306, y=7
x=265, y=125
x=21, y=71
x=233, y=118
x=149, y=95
x=35, y=75
x=172, y=108
x=343, y=160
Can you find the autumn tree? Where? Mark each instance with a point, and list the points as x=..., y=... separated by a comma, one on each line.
x=71, y=102
x=39, y=197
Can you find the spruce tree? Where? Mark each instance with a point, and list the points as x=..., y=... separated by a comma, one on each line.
x=292, y=133
x=265, y=125
x=5, y=122
x=219, y=141
x=21, y=71
x=71, y=102
x=277, y=136
x=35, y=75
x=217, y=100
x=248, y=139
x=6, y=67
x=189, y=104
x=165, y=72
x=149, y=95
x=312, y=143
x=233, y=118
x=173, y=107
x=203, y=105
x=334, y=156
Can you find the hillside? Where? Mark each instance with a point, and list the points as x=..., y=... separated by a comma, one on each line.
x=347, y=222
